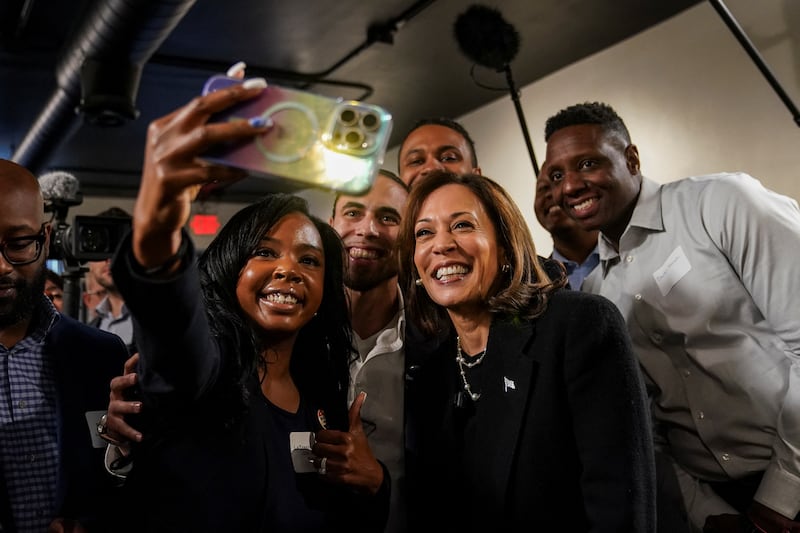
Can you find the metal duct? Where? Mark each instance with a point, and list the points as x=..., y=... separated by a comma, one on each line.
x=124, y=32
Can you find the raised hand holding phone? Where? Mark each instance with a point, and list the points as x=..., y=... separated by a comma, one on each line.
x=316, y=141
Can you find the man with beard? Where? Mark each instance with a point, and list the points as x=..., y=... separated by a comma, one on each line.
x=368, y=226
x=436, y=143
x=54, y=375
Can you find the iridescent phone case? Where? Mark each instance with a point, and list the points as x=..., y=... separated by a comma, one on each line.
x=316, y=141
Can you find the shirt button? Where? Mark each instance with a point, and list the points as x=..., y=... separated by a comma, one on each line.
x=726, y=457
x=32, y=458
x=701, y=415
x=657, y=338
x=629, y=259
x=686, y=373
x=638, y=297
x=22, y=404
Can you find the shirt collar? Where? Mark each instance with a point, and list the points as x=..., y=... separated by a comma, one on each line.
x=646, y=215
x=561, y=259
x=591, y=258
x=103, y=310
x=43, y=319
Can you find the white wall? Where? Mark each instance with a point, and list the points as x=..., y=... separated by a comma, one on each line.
x=692, y=98
x=690, y=95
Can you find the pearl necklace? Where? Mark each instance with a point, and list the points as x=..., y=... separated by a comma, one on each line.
x=463, y=365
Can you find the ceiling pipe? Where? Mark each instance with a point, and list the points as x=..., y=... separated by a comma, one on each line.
x=118, y=32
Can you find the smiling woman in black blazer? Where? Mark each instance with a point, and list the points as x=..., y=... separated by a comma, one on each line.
x=532, y=416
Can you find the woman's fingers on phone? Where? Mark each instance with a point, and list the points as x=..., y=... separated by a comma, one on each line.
x=237, y=70
x=221, y=99
x=213, y=133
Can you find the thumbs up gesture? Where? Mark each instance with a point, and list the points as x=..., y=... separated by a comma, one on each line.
x=347, y=455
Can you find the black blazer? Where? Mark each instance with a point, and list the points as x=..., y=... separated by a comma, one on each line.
x=562, y=424
x=86, y=359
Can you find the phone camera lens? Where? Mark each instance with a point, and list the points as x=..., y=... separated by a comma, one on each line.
x=370, y=121
x=353, y=139
x=348, y=117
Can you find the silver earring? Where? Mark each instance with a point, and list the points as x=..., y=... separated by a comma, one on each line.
x=418, y=282
x=506, y=268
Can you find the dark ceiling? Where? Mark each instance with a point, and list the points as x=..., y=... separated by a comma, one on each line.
x=399, y=54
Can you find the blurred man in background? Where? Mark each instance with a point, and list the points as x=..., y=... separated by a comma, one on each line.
x=111, y=314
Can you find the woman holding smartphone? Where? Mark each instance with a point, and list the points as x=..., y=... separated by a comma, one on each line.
x=238, y=350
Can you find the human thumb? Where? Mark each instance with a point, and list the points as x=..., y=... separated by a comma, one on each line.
x=354, y=415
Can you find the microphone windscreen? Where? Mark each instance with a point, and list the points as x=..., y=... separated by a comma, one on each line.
x=485, y=37
x=60, y=187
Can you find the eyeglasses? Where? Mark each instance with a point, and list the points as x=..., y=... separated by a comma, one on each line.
x=23, y=250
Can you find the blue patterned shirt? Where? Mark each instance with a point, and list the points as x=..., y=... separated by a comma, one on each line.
x=28, y=426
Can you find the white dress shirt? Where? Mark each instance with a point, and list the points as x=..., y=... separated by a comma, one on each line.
x=707, y=280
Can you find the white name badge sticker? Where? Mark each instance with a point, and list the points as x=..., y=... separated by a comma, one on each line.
x=674, y=268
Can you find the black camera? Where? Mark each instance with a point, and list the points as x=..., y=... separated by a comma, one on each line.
x=88, y=239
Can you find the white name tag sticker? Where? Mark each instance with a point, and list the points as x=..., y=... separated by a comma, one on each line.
x=674, y=268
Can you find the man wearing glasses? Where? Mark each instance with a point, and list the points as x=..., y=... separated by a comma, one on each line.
x=54, y=375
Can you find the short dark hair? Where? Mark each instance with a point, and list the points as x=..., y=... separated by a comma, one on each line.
x=587, y=113
x=382, y=172
x=395, y=178
x=55, y=278
x=447, y=123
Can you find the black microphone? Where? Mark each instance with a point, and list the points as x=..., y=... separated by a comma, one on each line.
x=486, y=38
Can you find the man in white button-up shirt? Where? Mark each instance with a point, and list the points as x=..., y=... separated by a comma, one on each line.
x=703, y=271
x=368, y=225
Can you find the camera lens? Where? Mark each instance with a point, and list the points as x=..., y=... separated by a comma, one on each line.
x=370, y=121
x=353, y=138
x=94, y=239
x=348, y=117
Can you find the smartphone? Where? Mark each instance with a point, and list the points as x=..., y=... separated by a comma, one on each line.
x=316, y=141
